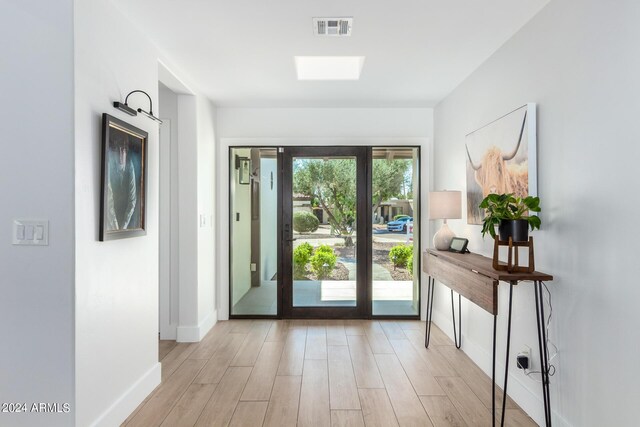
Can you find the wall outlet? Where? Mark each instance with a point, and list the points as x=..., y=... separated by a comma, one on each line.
x=523, y=359
x=254, y=267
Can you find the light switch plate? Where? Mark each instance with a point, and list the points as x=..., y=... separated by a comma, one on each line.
x=30, y=232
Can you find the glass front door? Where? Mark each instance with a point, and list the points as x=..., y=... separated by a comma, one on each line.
x=324, y=232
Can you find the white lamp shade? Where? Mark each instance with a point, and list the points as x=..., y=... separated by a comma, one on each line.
x=445, y=205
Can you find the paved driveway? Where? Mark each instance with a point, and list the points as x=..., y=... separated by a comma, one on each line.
x=384, y=236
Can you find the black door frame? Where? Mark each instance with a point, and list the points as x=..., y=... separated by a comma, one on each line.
x=364, y=312
x=363, y=229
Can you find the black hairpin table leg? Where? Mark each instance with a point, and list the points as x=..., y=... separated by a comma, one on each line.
x=430, y=292
x=457, y=337
x=506, y=362
x=542, y=344
x=493, y=373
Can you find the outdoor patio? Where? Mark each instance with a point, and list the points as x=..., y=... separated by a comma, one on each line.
x=389, y=297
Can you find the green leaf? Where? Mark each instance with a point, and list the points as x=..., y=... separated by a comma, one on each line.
x=534, y=222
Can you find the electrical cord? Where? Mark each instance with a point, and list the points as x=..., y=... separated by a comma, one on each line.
x=552, y=369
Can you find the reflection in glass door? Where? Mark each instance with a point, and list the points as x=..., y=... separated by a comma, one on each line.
x=322, y=206
x=254, y=239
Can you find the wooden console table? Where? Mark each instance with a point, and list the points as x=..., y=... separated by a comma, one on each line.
x=473, y=276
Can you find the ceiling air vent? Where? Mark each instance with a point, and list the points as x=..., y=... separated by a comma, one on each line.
x=332, y=26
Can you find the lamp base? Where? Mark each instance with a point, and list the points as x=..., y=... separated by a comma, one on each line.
x=442, y=239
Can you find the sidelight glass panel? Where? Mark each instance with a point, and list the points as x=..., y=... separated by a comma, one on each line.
x=395, y=248
x=254, y=236
x=324, y=232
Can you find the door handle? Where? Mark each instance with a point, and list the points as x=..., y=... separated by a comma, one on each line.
x=290, y=240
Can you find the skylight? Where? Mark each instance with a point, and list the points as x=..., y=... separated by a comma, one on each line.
x=329, y=67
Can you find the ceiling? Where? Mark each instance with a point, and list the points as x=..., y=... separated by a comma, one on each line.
x=241, y=52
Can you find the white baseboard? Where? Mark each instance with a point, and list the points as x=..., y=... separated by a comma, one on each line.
x=208, y=323
x=196, y=333
x=529, y=401
x=130, y=399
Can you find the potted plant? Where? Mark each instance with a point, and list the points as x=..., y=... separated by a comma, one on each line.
x=511, y=215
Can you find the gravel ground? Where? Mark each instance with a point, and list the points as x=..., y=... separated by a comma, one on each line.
x=381, y=257
x=340, y=272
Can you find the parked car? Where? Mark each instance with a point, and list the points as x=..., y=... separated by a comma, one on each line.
x=399, y=224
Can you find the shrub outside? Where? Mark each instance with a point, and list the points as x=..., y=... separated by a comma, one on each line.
x=301, y=256
x=399, y=255
x=305, y=222
x=410, y=264
x=323, y=261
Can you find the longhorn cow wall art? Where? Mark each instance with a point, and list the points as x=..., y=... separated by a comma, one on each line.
x=501, y=158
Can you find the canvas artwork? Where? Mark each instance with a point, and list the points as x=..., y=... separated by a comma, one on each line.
x=501, y=158
x=124, y=152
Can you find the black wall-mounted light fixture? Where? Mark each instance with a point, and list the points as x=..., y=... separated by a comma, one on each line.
x=130, y=111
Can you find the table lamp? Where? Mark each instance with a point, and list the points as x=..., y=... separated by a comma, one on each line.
x=444, y=205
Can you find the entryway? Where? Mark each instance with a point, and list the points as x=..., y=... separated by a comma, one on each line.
x=324, y=232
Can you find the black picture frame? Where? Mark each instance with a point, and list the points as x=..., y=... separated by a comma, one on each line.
x=123, y=192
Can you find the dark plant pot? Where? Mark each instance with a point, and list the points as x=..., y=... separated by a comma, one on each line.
x=517, y=229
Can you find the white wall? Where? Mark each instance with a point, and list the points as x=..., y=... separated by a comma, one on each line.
x=188, y=216
x=324, y=122
x=578, y=61
x=117, y=281
x=310, y=126
x=36, y=182
x=196, y=192
x=207, y=252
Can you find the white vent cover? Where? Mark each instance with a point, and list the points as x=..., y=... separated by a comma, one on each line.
x=332, y=26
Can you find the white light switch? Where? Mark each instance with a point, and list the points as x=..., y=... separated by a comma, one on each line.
x=39, y=232
x=31, y=232
x=20, y=232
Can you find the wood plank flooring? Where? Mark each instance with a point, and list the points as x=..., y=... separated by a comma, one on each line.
x=248, y=373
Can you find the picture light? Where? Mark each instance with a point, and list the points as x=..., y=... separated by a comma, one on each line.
x=130, y=111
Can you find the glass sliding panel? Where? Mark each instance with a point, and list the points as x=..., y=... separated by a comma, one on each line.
x=324, y=231
x=254, y=231
x=395, y=192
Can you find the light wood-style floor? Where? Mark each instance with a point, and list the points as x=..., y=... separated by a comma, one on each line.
x=320, y=373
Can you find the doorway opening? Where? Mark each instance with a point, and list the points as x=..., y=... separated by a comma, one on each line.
x=324, y=232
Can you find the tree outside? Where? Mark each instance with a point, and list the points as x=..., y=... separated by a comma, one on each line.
x=332, y=184
x=391, y=178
